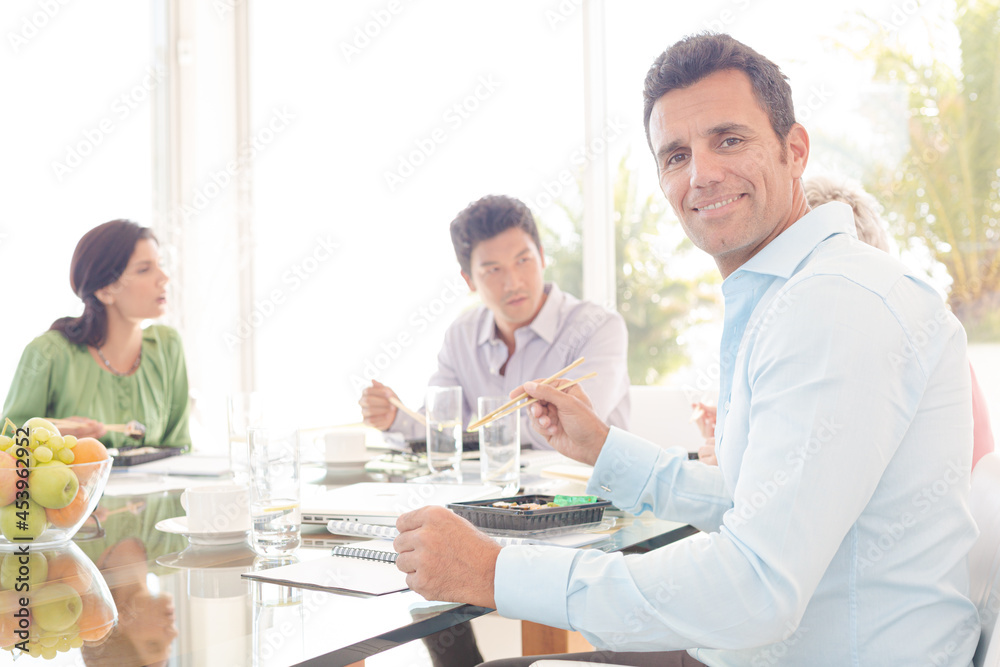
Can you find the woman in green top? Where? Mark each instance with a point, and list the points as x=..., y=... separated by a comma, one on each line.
x=103, y=367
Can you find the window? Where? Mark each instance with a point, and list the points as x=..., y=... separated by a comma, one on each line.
x=77, y=146
x=387, y=122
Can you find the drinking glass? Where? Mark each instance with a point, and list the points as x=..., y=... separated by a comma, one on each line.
x=500, y=447
x=275, y=516
x=444, y=430
x=245, y=409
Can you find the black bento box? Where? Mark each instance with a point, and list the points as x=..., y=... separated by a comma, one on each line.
x=545, y=520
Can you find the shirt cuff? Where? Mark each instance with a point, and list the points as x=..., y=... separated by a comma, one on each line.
x=623, y=468
x=530, y=583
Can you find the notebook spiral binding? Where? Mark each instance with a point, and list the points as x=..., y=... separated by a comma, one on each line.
x=367, y=554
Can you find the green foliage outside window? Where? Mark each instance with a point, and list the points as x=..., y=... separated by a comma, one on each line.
x=659, y=305
x=946, y=191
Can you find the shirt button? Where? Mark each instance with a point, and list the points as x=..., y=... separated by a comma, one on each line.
x=725, y=406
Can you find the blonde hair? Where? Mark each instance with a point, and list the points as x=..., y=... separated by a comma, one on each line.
x=871, y=230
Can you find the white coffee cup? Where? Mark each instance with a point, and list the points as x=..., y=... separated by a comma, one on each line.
x=345, y=445
x=218, y=508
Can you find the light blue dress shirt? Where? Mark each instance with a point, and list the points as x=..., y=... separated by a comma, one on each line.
x=837, y=523
x=564, y=330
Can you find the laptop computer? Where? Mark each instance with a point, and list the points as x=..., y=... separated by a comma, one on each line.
x=381, y=503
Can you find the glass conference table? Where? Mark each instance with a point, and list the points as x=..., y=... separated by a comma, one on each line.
x=219, y=619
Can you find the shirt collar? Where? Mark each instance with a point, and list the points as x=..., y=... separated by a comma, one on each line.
x=783, y=255
x=546, y=322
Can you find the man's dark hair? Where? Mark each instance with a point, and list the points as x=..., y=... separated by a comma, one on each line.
x=483, y=219
x=693, y=58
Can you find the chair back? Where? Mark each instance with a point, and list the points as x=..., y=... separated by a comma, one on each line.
x=984, y=558
x=662, y=415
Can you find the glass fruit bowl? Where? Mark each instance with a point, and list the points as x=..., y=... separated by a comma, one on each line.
x=49, y=484
x=68, y=602
x=43, y=506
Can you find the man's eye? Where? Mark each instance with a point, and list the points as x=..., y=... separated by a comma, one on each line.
x=729, y=142
x=676, y=159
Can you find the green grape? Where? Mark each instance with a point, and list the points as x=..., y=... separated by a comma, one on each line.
x=65, y=455
x=49, y=641
x=6, y=442
x=43, y=454
x=49, y=652
x=69, y=441
x=40, y=434
x=56, y=443
x=76, y=642
x=63, y=644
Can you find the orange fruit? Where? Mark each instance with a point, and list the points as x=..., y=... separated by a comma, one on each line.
x=69, y=515
x=68, y=570
x=96, y=619
x=88, y=450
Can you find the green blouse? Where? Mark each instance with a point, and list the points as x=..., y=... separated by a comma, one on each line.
x=56, y=378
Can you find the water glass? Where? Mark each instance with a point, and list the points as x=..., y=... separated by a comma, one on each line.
x=444, y=430
x=245, y=409
x=275, y=516
x=500, y=447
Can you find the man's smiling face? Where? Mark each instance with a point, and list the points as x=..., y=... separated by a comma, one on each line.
x=723, y=169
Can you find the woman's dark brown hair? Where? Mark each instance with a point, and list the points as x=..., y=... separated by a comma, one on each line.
x=99, y=260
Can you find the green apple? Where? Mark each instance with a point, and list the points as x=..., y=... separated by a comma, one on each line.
x=8, y=478
x=33, y=521
x=53, y=484
x=55, y=606
x=31, y=569
x=44, y=423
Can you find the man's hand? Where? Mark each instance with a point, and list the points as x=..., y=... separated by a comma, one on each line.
x=445, y=558
x=376, y=409
x=566, y=420
x=87, y=428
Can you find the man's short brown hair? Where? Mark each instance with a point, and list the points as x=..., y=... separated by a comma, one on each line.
x=693, y=58
x=485, y=218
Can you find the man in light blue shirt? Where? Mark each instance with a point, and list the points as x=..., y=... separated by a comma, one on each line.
x=836, y=525
x=525, y=328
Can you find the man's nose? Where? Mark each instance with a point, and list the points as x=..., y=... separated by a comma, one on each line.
x=706, y=169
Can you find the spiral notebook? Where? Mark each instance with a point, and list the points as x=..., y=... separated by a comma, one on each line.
x=366, y=568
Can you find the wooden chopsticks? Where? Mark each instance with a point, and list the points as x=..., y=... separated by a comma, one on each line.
x=530, y=401
x=416, y=416
x=488, y=418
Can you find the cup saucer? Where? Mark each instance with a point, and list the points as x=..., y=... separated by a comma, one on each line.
x=179, y=526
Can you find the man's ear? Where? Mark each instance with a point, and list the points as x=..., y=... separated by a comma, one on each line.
x=468, y=281
x=798, y=149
